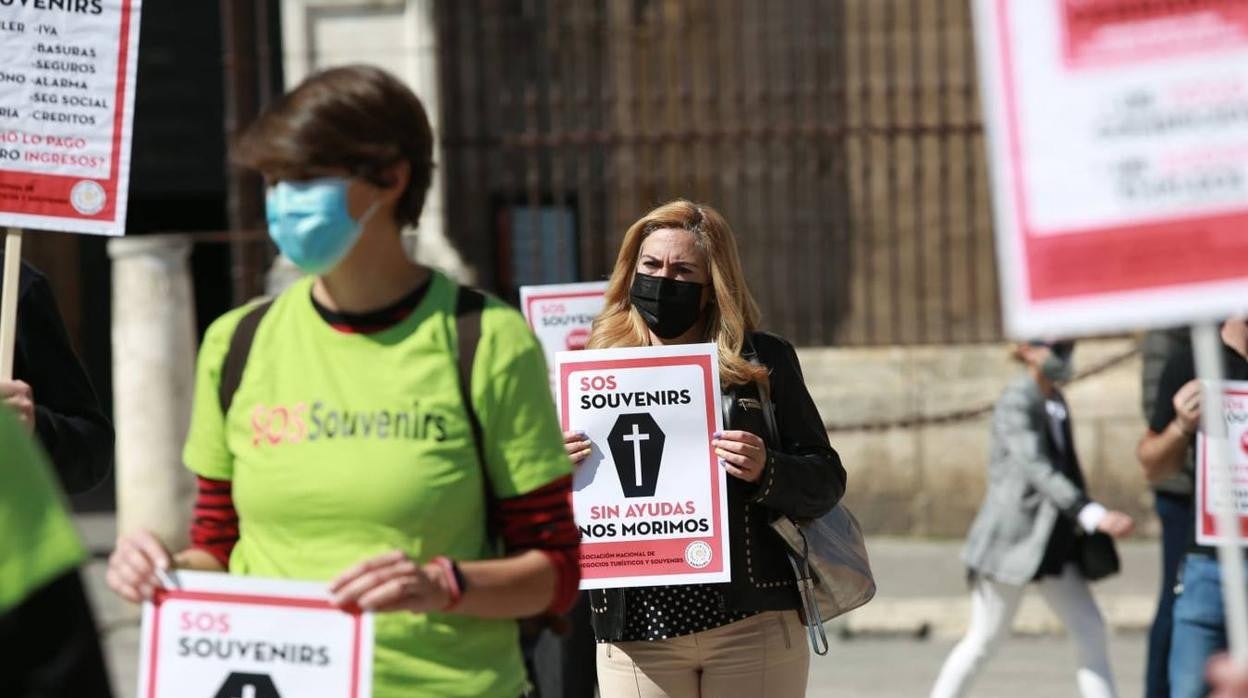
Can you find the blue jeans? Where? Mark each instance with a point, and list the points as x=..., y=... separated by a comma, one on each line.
x=1177, y=519
x=1199, y=626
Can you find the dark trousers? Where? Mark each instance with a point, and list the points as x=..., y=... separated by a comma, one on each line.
x=51, y=649
x=565, y=666
x=1177, y=521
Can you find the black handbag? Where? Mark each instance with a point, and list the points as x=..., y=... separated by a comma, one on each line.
x=1097, y=556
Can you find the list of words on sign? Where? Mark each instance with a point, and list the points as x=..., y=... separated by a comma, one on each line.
x=58, y=79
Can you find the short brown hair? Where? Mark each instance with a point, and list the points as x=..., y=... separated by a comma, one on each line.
x=358, y=118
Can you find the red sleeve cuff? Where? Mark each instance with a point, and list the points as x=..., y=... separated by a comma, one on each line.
x=214, y=524
x=567, y=579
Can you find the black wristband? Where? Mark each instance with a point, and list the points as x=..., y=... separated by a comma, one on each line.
x=459, y=577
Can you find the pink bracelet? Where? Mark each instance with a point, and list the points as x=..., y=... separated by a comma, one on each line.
x=451, y=574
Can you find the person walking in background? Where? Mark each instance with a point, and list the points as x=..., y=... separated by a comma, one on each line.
x=51, y=394
x=51, y=648
x=387, y=426
x=1165, y=450
x=1173, y=502
x=678, y=280
x=1029, y=527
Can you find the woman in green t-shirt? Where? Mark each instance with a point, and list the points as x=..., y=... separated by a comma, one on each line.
x=345, y=450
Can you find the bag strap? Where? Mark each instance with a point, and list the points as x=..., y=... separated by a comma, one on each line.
x=810, y=601
x=236, y=355
x=802, y=570
x=749, y=353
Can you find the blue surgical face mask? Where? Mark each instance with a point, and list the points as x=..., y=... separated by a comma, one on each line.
x=310, y=222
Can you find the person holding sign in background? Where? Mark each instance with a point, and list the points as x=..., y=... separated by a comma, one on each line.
x=350, y=448
x=1199, y=623
x=678, y=280
x=1033, y=524
x=51, y=393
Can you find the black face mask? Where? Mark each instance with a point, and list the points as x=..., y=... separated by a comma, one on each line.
x=668, y=306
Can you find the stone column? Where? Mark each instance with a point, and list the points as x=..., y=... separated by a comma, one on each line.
x=153, y=379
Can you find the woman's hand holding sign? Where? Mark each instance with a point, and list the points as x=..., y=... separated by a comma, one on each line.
x=578, y=446
x=133, y=564
x=139, y=560
x=393, y=582
x=742, y=454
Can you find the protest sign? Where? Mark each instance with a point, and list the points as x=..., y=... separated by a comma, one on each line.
x=651, y=499
x=67, y=80
x=228, y=636
x=67, y=77
x=561, y=314
x=1214, y=492
x=1118, y=136
x=1118, y=131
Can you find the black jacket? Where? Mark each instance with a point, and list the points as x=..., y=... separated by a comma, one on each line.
x=803, y=478
x=68, y=419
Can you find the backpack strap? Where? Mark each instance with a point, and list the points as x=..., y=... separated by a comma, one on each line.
x=469, y=305
x=236, y=355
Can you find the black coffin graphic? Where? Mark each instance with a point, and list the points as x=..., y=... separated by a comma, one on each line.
x=238, y=685
x=636, y=443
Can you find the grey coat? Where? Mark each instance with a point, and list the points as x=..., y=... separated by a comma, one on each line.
x=1027, y=490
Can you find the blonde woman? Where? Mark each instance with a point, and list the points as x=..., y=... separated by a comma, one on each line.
x=678, y=280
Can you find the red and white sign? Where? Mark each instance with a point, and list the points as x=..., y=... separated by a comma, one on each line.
x=1211, y=493
x=651, y=499
x=561, y=314
x=218, y=634
x=1118, y=131
x=67, y=77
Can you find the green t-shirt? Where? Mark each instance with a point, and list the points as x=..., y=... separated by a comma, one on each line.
x=37, y=540
x=344, y=446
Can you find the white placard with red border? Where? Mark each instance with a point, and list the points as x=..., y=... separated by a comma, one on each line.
x=1118, y=131
x=561, y=314
x=1210, y=492
x=219, y=629
x=67, y=79
x=651, y=499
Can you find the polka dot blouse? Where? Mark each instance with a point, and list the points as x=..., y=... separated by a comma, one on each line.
x=659, y=613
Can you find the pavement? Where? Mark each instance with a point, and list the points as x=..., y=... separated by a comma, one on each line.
x=921, y=591
x=893, y=646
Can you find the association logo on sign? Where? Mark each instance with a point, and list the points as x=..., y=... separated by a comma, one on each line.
x=239, y=685
x=636, y=443
x=88, y=197
x=698, y=554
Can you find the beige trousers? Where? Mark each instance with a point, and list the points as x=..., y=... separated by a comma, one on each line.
x=766, y=655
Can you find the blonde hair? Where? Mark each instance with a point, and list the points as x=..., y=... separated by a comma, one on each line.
x=732, y=312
